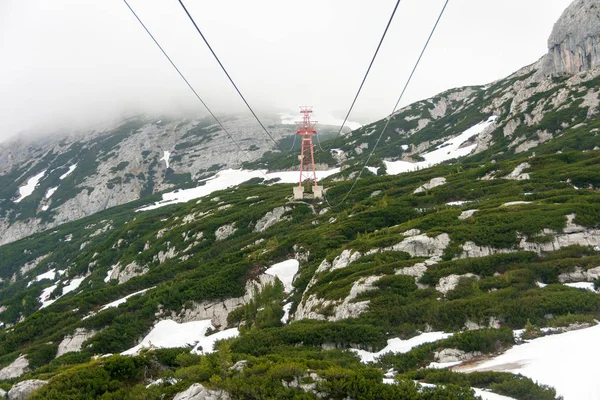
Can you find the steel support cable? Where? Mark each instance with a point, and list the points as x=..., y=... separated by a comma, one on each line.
x=393, y=111
x=227, y=73
x=294, y=143
x=188, y=84
x=368, y=69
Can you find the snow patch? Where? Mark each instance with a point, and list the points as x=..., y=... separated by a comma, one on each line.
x=122, y=300
x=286, y=313
x=448, y=150
x=397, y=345
x=285, y=271
x=169, y=334
x=69, y=172
x=227, y=179
x=30, y=186
x=165, y=158
x=575, y=352
x=50, y=192
x=582, y=285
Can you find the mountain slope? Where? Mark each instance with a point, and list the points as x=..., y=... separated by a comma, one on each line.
x=413, y=287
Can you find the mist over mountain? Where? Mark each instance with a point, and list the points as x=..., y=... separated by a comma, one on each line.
x=455, y=254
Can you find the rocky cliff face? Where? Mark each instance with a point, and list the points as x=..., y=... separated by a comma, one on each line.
x=574, y=45
x=86, y=172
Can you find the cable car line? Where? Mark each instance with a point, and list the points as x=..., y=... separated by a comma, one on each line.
x=227, y=73
x=188, y=83
x=368, y=70
x=393, y=111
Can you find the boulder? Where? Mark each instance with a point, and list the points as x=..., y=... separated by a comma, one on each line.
x=73, y=343
x=199, y=392
x=15, y=369
x=270, y=219
x=23, y=389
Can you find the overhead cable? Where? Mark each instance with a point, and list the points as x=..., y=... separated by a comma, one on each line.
x=394, y=110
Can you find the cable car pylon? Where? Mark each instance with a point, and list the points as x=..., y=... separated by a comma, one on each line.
x=306, y=129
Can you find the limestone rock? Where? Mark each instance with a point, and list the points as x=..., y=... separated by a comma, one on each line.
x=467, y=214
x=217, y=311
x=417, y=270
x=3, y=394
x=435, y=182
x=225, y=231
x=579, y=275
x=15, y=369
x=199, y=392
x=518, y=174
x=450, y=282
x=128, y=272
x=574, y=44
x=23, y=389
x=454, y=355
x=343, y=260
x=423, y=245
x=311, y=307
x=270, y=219
x=73, y=343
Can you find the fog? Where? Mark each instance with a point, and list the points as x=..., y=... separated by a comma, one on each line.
x=74, y=64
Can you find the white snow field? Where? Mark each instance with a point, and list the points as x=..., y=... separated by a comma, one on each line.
x=165, y=158
x=30, y=186
x=285, y=271
x=227, y=179
x=117, y=303
x=169, y=334
x=484, y=394
x=50, y=192
x=566, y=361
x=397, y=345
x=446, y=151
x=286, y=312
x=582, y=285
x=69, y=172
x=69, y=287
x=122, y=300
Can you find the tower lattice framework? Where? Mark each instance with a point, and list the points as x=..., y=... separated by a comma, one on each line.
x=306, y=130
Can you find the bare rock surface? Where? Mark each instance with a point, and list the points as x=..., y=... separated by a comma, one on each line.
x=270, y=219
x=217, y=311
x=574, y=45
x=199, y=392
x=24, y=389
x=15, y=369
x=73, y=343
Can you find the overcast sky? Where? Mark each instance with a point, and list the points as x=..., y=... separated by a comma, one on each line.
x=80, y=62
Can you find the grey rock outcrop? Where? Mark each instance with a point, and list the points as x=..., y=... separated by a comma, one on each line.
x=199, y=392
x=270, y=219
x=435, y=182
x=15, y=369
x=574, y=44
x=225, y=231
x=128, y=272
x=23, y=389
x=580, y=275
x=217, y=311
x=454, y=355
x=450, y=282
x=73, y=343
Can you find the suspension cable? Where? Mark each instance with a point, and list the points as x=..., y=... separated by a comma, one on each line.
x=368, y=69
x=189, y=85
x=227, y=73
x=393, y=111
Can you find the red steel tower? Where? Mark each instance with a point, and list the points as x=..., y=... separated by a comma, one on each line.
x=306, y=129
